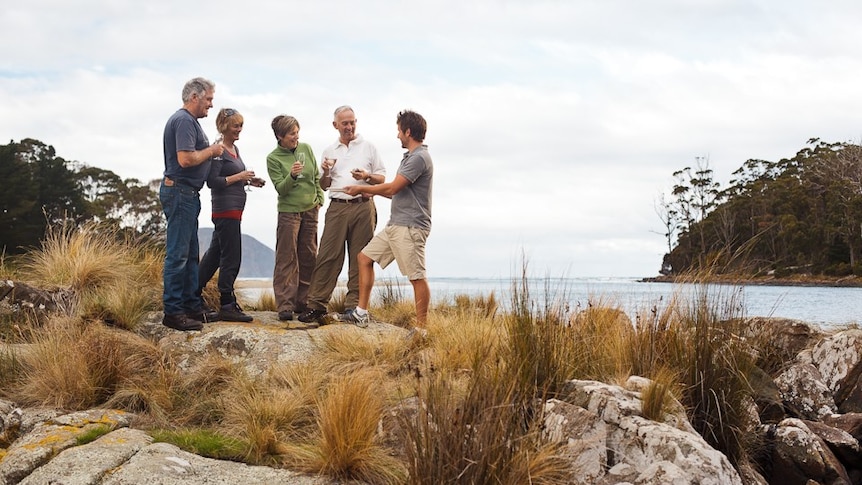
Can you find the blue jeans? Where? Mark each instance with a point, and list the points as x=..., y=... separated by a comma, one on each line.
x=181, y=205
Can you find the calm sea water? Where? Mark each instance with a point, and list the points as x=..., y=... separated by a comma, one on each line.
x=823, y=306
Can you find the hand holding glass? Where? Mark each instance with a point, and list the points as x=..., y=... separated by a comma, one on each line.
x=329, y=163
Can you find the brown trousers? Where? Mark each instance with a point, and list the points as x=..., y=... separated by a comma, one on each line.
x=295, y=254
x=350, y=224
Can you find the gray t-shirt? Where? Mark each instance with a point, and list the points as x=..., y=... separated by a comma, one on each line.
x=411, y=206
x=183, y=132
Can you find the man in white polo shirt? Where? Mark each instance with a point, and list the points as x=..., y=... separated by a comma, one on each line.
x=350, y=220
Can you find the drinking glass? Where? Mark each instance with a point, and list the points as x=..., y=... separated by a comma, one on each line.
x=248, y=184
x=300, y=157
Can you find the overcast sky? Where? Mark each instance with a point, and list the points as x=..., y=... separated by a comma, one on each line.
x=554, y=125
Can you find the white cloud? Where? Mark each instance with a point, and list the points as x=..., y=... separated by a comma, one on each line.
x=552, y=123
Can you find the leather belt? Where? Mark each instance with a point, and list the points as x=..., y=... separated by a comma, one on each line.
x=357, y=200
x=170, y=183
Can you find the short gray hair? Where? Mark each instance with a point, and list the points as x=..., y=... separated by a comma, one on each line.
x=199, y=86
x=342, y=109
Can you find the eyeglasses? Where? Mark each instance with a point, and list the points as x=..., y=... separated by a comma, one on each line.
x=228, y=112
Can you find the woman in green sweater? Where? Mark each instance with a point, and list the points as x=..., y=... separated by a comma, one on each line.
x=296, y=177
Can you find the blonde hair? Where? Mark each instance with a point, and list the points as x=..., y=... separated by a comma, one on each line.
x=227, y=116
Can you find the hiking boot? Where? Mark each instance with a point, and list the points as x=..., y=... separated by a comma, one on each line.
x=351, y=316
x=285, y=315
x=181, y=322
x=205, y=315
x=233, y=313
x=316, y=316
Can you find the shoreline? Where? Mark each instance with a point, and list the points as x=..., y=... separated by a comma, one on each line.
x=802, y=280
x=851, y=281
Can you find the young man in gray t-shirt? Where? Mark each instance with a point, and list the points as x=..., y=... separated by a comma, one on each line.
x=403, y=239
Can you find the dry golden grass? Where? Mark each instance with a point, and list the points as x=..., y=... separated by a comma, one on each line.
x=265, y=303
x=660, y=395
x=484, y=433
x=400, y=313
x=456, y=340
x=266, y=418
x=113, y=277
x=77, y=365
x=346, y=446
x=337, y=303
x=352, y=349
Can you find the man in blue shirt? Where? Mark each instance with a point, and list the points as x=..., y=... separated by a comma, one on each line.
x=187, y=154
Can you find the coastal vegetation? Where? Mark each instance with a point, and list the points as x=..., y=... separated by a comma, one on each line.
x=781, y=219
x=475, y=381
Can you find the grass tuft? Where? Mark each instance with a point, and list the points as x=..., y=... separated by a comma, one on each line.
x=204, y=442
x=92, y=433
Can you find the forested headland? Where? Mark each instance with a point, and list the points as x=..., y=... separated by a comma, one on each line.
x=798, y=218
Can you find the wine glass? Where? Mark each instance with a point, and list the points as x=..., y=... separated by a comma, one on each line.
x=248, y=182
x=330, y=162
x=300, y=157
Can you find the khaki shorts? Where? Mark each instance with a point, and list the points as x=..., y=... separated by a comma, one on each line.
x=404, y=245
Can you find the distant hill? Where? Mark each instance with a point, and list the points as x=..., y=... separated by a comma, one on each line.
x=258, y=260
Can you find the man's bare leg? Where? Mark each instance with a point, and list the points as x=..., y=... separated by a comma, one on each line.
x=422, y=296
x=366, y=280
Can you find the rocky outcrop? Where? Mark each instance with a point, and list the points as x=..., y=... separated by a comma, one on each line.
x=799, y=455
x=49, y=455
x=609, y=441
x=804, y=393
x=600, y=427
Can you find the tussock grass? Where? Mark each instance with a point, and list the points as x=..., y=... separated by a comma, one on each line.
x=10, y=368
x=457, y=341
x=482, y=306
x=660, y=395
x=353, y=349
x=696, y=337
x=75, y=365
x=346, y=443
x=265, y=302
x=114, y=277
x=338, y=301
x=266, y=417
x=483, y=433
x=400, y=313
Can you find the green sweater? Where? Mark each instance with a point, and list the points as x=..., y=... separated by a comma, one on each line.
x=295, y=195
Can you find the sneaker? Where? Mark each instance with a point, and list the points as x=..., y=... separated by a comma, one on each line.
x=285, y=315
x=316, y=316
x=360, y=321
x=205, y=315
x=233, y=313
x=182, y=323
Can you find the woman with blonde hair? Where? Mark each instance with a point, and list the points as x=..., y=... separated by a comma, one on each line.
x=227, y=181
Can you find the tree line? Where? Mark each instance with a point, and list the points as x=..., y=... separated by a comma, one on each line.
x=43, y=189
x=797, y=215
